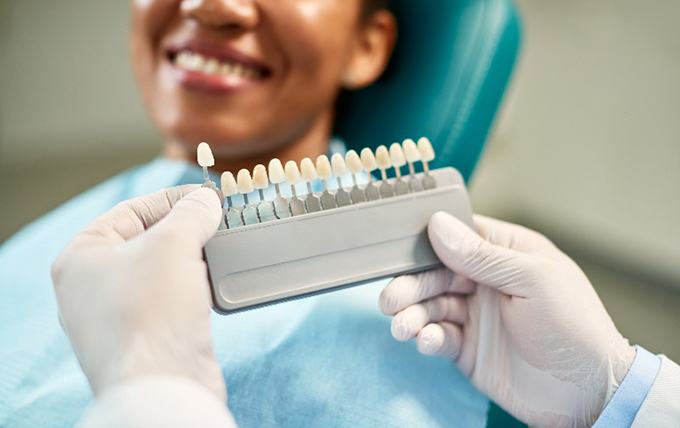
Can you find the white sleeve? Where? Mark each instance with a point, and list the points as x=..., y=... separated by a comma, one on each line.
x=157, y=401
x=661, y=407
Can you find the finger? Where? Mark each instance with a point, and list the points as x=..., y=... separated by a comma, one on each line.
x=130, y=218
x=407, y=323
x=512, y=236
x=443, y=339
x=468, y=254
x=192, y=221
x=407, y=290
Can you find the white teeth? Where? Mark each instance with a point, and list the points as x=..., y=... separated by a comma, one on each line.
x=425, y=149
x=353, y=162
x=228, y=182
x=211, y=66
x=338, y=165
x=204, y=155
x=292, y=173
x=276, y=174
x=260, y=180
x=244, y=181
x=323, y=167
x=411, y=150
x=196, y=62
x=308, y=170
x=225, y=69
x=368, y=160
x=382, y=157
x=183, y=59
x=397, y=155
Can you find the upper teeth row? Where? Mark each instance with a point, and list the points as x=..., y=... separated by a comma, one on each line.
x=196, y=62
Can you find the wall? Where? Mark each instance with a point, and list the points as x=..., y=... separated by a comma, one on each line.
x=588, y=148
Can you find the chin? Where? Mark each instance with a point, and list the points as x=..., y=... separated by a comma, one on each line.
x=224, y=142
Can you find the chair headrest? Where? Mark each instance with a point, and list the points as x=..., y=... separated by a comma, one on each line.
x=451, y=65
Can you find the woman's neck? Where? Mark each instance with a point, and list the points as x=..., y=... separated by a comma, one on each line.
x=312, y=143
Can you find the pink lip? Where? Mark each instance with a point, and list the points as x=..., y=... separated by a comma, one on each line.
x=211, y=83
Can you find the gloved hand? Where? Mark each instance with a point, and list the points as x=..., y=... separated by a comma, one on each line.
x=133, y=292
x=518, y=317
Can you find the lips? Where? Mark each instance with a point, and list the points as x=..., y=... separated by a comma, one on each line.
x=215, y=69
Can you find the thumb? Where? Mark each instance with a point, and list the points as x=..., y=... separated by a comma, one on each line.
x=194, y=219
x=465, y=252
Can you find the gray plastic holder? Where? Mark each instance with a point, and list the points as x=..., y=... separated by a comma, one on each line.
x=295, y=257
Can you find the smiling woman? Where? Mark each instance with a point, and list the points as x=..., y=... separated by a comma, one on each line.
x=256, y=79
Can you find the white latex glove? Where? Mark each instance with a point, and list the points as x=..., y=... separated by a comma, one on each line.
x=133, y=292
x=518, y=317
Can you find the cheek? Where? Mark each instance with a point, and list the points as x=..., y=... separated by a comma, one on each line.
x=152, y=15
x=315, y=36
x=149, y=20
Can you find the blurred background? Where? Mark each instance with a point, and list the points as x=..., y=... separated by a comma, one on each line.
x=586, y=148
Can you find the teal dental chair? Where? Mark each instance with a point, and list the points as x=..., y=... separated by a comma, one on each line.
x=446, y=80
x=451, y=65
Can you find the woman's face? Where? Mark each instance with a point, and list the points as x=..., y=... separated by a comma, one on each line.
x=246, y=75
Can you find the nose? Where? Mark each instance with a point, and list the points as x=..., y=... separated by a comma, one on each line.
x=234, y=14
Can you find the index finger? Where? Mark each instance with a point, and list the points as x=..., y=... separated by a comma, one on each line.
x=130, y=218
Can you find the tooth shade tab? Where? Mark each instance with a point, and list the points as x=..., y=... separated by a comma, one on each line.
x=260, y=180
x=276, y=174
x=244, y=182
x=425, y=149
x=411, y=150
x=353, y=162
x=204, y=155
x=323, y=167
x=338, y=165
x=308, y=170
x=292, y=173
x=382, y=157
x=368, y=160
x=397, y=155
x=228, y=183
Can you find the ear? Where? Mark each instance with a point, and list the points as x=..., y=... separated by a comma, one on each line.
x=372, y=49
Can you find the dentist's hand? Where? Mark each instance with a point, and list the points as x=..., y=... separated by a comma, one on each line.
x=518, y=317
x=133, y=291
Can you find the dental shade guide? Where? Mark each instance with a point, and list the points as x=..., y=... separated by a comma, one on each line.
x=397, y=159
x=324, y=171
x=205, y=159
x=297, y=207
x=368, y=162
x=265, y=209
x=231, y=216
x=382, y=158
x=344, y=236
x=245, y=185
x=342, y=197
x=353, y=162
x=412, y=156
x=309, y=175
x=276, y=177
x=426, y=156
